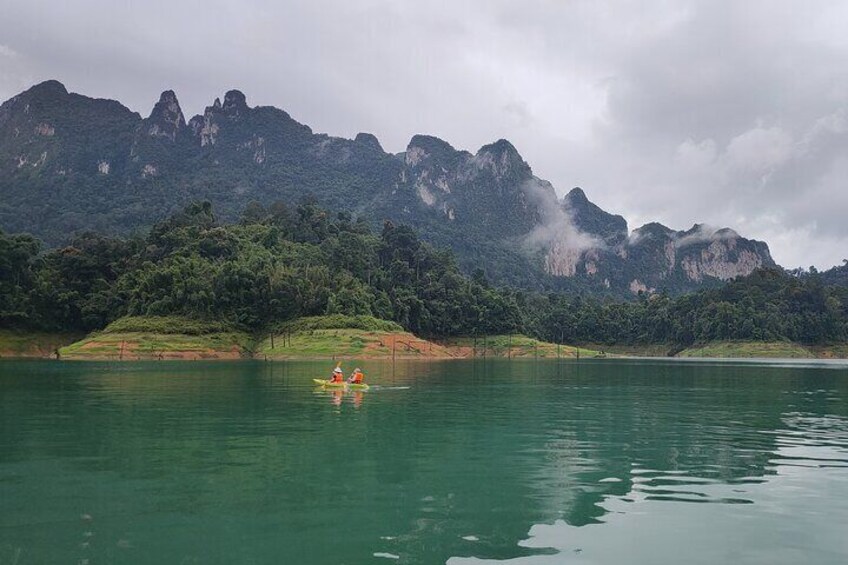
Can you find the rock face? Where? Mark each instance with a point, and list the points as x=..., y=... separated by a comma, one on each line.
x=69, y=162
x=485, y=191
x=166, y=120
x=654, y=257
x=47, y=132
x=588, y=218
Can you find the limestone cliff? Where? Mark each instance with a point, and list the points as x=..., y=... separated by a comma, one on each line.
x=70, y=163
x=493, y=189
x=653, y=256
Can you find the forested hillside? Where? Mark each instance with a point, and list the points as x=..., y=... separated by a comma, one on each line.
x=274, y=265
x=71, y=164
x=278, y=263
x=768, y=305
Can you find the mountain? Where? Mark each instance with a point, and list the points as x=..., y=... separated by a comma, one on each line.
x=70, y=163
x=654, y=257
x=837, y=275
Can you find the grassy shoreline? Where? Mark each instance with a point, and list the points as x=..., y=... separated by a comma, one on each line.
x=518, y=347
x=135, y=346
x=733, y=350
x=41, y=345
x=748, y=350
x=344, y=343
x=161, y=337
x=320, y=337
x=340, y=337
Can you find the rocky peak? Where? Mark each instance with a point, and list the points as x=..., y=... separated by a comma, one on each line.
x=234, y=102
x=426, y=147
x=500, y=148
x=206, y=127
x=702, y=233
x=368, y=140
x=501, y=158
x=168, y=103
x=652, y=230
x=694, y=255
x=166, y=119
x=48, y=88
x=653, y=256
x=576, y=197
x=694, y=229
x=591, y=219
x=21, y=104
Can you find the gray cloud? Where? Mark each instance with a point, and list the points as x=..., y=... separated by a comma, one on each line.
x=716, y=111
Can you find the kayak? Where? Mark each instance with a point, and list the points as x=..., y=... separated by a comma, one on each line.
x=329, y=384
x=345, y=385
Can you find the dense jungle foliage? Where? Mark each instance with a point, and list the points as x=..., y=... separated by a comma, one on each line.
x=275, y=265
x=278, y=264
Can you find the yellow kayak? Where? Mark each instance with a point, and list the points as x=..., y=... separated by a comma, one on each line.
x=329, y=384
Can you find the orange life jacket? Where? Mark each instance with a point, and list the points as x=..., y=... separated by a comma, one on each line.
x=337, y=378
x=357, y=377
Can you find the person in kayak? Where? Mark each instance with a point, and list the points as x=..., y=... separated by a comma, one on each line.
x=338, y=376
x=356, y=377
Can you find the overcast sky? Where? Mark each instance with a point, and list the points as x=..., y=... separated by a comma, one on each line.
x=732, y=113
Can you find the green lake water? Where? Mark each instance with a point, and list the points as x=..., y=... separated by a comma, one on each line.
x=522, y=462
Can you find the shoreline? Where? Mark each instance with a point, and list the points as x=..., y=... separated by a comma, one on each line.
x=319, y=344
x=349, y=344
x=34, y=345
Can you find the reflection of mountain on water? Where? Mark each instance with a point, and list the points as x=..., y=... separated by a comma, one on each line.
x=792, y=515
x=461, y=463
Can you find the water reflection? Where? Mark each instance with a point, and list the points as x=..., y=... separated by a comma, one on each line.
x=338, y=396
x=595, y=462
x=794, y=517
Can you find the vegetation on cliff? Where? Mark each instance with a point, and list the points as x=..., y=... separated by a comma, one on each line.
x=278, y=268
x=274, y=266
x=70, y=163
x=769, y=305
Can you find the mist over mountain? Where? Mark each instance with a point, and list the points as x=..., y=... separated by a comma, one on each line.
x=70, y=163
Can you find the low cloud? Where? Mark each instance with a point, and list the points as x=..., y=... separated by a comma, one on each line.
x=557, y=229
x=703, y=233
